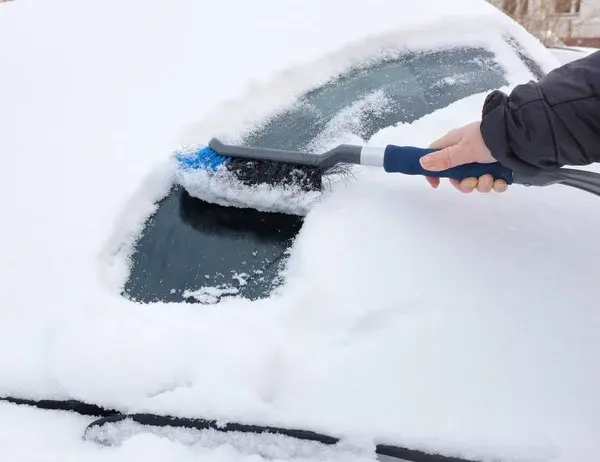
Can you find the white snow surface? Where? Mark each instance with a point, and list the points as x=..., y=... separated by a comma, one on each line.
x=466, y=324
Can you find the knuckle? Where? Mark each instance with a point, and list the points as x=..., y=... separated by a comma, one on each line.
x=446, y=158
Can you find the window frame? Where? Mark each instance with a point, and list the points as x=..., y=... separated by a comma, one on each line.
x=574, y=7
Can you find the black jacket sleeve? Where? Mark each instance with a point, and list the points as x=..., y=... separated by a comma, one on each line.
x=549, y=123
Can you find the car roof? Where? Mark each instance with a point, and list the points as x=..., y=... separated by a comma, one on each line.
x=99, y=96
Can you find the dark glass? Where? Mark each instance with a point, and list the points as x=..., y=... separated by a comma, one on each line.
x=190, y=244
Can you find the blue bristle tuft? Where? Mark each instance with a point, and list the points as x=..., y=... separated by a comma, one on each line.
x=201, y=158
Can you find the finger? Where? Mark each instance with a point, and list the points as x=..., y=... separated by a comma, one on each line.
x=455, y=183
x=468, y=185
x=449, y=139
x=434, y=182
x=485, y=183
x=500, y=186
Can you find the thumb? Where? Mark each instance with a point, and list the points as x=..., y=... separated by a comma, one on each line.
x=444, y=159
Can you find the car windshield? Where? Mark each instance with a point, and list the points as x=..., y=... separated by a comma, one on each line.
x=193, y=251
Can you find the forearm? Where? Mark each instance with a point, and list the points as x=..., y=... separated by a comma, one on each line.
x=549, y=123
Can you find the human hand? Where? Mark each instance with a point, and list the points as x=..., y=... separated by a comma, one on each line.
x=462, y=146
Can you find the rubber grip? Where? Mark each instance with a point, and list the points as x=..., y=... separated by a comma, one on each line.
x=405, y=159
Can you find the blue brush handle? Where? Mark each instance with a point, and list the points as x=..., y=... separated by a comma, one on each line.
x=405, y=159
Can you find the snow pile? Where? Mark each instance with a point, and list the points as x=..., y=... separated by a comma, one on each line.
x=211, y=294
x=216, y=293
x=430, y=319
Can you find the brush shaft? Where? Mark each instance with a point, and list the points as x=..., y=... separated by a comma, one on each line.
x=406, y=159
x=394, y=159
x=264, y=154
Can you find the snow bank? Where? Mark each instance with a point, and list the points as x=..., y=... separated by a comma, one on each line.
x=466, y=324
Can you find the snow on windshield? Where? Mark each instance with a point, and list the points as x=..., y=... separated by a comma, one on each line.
x=421, y=318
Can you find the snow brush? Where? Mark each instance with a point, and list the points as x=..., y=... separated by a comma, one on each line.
x=274, y=180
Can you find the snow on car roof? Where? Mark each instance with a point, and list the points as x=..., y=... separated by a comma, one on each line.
x=425, y=318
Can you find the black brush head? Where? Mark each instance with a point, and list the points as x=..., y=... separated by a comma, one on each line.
x=254, y=172
x=307, y=177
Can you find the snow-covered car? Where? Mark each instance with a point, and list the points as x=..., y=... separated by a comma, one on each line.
x=566, y=54
x=392, y=321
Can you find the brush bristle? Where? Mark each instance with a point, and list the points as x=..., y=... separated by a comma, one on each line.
x=255, y=172
x=252, y=172
x=200, y=158
x=263, y=185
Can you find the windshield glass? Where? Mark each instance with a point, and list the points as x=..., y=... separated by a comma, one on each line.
x=198, y=252
x=370, y=98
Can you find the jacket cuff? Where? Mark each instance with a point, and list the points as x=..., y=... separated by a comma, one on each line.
x=495, y=135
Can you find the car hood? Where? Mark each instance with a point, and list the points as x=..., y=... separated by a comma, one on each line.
x=450, y=323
